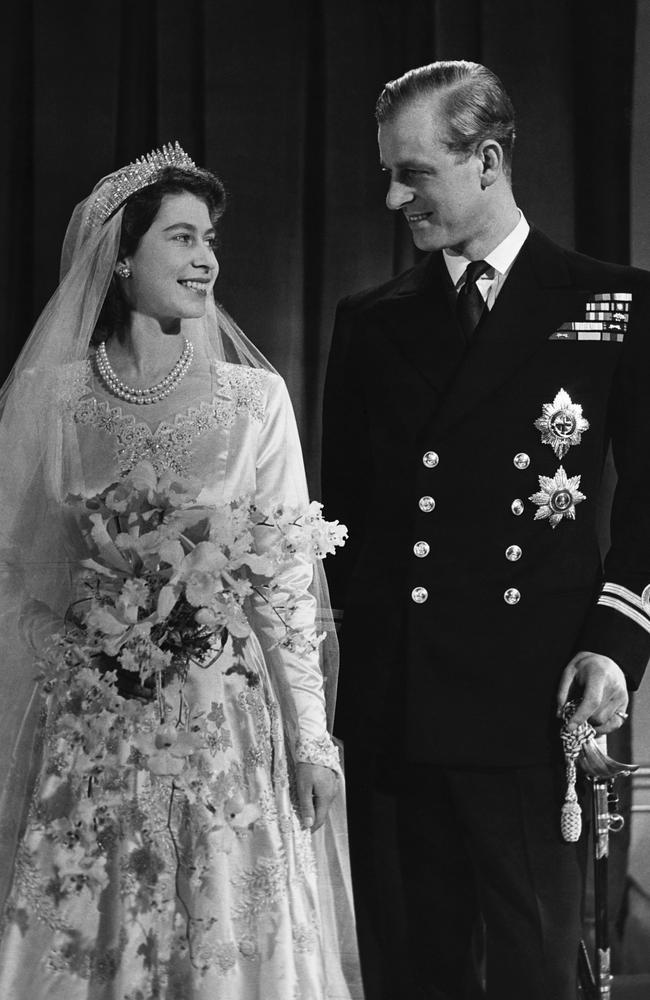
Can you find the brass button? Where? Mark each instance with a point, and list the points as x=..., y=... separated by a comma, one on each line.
x=512, y=596
x=521, y=460
x=517, y=507
x=426, y=504
x=421, y=549
x=430, y=459
x=419, y=595
x=513, y=552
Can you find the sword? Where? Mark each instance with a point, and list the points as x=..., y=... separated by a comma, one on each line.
x=606, y=820
x=590, y=754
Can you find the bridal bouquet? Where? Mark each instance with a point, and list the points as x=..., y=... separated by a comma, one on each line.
x=166, y=583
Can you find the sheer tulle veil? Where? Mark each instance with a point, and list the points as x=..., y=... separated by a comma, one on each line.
x=35, y=454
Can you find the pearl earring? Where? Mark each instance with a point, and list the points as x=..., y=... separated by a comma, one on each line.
x=123, y=271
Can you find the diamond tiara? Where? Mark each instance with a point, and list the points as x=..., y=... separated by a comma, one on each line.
x=141, y=173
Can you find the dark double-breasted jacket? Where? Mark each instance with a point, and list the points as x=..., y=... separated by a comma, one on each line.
x=469, y=479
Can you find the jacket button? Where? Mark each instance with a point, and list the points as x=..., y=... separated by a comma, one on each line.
x=419, y=595
x=517, y=507
x=513, y=552
x=430, y=459
x=421, y=549
x=521, y=460
x=426, y=504
x=512, y=596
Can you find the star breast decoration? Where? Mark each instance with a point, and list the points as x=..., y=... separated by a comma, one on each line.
x=557, y=497
x=561, y=423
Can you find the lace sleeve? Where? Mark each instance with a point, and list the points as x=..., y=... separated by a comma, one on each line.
x=296, y=670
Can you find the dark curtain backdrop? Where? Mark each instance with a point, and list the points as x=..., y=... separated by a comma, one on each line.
x=278, y=98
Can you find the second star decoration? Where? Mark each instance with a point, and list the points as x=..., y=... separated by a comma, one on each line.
x=557, y=497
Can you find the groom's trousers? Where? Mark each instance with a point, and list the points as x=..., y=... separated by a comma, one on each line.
x=461, y=876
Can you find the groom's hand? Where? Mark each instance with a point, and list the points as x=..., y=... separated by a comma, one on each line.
x=602, y=696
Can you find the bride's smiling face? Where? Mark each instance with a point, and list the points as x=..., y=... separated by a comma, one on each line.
x=174, y=267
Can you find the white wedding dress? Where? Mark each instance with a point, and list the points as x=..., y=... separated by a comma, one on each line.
x=241, y=903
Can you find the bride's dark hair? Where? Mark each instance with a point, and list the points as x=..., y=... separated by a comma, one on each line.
x=140, y=210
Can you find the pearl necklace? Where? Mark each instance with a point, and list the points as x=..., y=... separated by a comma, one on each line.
x=152, y=394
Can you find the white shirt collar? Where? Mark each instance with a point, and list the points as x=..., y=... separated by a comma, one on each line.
x=501, y=258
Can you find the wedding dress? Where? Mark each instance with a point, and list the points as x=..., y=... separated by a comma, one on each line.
x=241, y=903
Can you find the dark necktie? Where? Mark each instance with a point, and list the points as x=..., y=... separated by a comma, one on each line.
x=470, y=304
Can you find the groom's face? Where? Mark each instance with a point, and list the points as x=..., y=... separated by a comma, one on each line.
x=438, y=191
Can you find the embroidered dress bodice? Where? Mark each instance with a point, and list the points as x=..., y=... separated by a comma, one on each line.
x=190, y=434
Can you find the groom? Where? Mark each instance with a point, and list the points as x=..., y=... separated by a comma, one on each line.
x=469, y=404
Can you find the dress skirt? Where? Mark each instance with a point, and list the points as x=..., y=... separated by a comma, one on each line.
x=174, y=894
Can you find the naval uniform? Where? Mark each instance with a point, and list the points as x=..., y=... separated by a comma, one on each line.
x=469, y=478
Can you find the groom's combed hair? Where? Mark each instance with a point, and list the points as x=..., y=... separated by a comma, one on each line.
x=473, y=100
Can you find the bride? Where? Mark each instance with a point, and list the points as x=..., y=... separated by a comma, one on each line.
x=166, y=831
